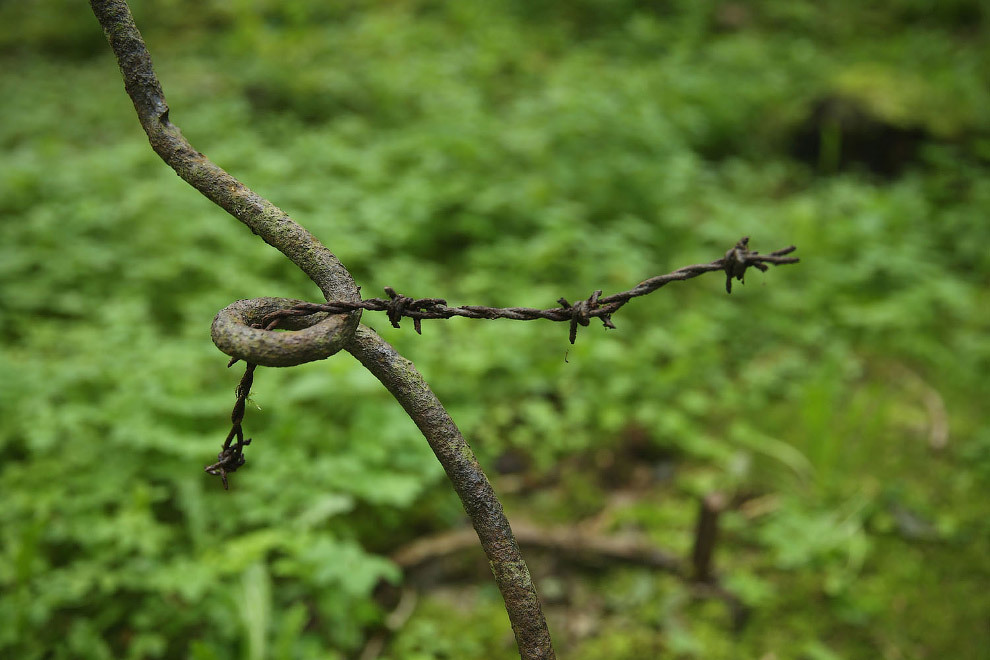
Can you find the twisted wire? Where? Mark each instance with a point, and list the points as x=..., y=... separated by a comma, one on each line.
x=735, y=263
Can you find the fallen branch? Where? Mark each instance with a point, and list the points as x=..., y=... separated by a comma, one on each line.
x=567, y=541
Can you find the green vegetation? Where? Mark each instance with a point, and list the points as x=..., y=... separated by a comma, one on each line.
x=507, y=154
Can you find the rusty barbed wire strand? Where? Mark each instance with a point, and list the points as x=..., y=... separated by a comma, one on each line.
x=231, y=456
x=397, y=306
x=735, y=263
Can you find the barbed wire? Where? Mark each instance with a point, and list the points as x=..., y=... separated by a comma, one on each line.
x=231, y=456
x=734, y=264
x=397, y=306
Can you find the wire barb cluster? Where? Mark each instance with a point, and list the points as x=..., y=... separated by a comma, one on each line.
x=582, y=311
x=397, y=306
x=740, y=257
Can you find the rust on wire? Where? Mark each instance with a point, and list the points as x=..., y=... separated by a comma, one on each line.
x=302, y=315
x=735, y=263
x=231, y=456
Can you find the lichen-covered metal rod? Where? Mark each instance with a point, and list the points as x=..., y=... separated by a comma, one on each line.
x=265, y=219
x=322, y=266
x=511, y=573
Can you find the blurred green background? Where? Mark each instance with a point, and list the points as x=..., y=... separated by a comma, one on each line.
x=503, y=153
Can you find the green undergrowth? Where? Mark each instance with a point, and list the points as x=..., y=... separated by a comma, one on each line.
x=505, y=155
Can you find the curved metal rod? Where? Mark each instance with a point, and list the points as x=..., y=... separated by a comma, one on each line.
x=322, y=266
x=265, y=219
x=238, y=330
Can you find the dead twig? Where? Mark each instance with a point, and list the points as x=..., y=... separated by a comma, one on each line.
x=706, y=536
x=567, y=541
